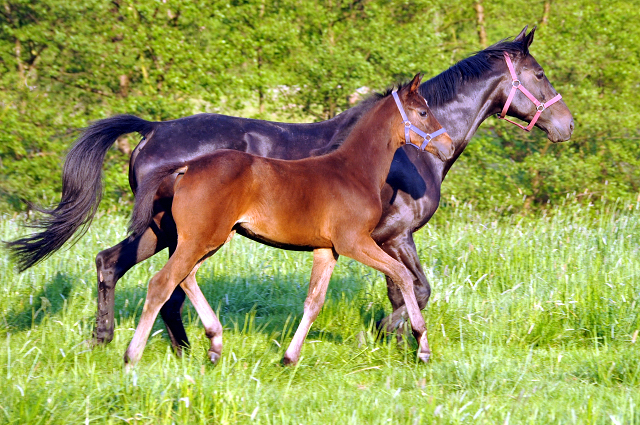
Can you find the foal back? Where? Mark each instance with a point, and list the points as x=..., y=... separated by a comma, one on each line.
x=288, y=204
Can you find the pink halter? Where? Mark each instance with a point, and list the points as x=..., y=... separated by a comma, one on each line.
x=515, y=86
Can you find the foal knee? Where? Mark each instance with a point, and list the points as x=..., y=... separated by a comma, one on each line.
x=423, y=293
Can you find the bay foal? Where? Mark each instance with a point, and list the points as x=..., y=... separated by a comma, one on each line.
x=329, y=204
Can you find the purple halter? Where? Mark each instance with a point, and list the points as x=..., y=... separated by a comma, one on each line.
x=410, y=127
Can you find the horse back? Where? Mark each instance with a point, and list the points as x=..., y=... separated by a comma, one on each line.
x=186, y=139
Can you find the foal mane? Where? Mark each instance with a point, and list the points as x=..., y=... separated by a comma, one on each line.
x=388, y=91
x=443, y=87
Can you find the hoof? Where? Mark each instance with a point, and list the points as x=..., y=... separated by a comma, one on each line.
x=90, y=343
x=214, y=357
x=97, y=341
x=286, y=361
x=424, y=357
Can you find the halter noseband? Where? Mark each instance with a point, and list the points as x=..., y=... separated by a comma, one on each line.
x=515, y=86
x=410, y=127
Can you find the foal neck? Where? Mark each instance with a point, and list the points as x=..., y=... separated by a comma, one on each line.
x=370, y=146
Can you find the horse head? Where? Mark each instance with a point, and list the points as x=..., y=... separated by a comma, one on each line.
x=538, y=102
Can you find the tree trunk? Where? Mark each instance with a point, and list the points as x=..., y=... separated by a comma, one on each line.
x=545, y=13
x=482, y=34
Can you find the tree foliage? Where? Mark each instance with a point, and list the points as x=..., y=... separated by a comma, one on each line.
x=64, y=64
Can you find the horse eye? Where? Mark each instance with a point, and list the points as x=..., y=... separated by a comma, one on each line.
x=423, y=113
x=539, y=75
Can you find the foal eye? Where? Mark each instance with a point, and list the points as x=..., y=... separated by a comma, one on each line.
x=423, y=113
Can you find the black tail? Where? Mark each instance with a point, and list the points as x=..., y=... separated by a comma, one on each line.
x=81, y=190
x=143, y=208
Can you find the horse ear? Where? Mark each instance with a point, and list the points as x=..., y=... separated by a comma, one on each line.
x=415, y=83
x=529, y=38
x=523, y=33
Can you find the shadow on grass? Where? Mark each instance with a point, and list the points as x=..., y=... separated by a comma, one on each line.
x=263, y=304
x=50, y=300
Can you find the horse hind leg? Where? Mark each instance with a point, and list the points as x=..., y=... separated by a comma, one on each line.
x=324, y=260
x=111, y=265
x=171, y=313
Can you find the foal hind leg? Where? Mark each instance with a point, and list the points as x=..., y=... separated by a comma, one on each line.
x=212, y=326
x=177, y=269
x=111, y=265
x=324, y=260
x=171, y=313
x=365, y=250
x=403, y=249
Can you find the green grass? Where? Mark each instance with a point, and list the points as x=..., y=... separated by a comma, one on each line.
x=532, y=320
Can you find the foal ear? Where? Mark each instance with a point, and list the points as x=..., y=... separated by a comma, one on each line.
x=415, y=83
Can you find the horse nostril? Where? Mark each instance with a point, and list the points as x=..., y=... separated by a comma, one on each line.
x=571, y=126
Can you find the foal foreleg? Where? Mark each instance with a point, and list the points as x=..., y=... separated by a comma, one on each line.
x=324, y=260
x=403, y=249
x=212, y=326
x=367, y=252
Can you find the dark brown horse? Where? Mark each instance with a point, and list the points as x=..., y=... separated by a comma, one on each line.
x=462, y=98
x=329, y=204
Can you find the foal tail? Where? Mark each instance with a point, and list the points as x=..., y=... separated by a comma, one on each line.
x=81, y=190
x=145, y=195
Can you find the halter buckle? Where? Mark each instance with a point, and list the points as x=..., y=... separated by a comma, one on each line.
x=407, y=124
x=515, y=83
x=540, y=107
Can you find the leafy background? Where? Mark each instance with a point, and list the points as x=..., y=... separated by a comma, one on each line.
x=64, y=64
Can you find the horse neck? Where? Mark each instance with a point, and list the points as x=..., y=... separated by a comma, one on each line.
x=369, y=148
x=474, y=102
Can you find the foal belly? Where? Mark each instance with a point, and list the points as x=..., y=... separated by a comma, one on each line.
x=292, y=234
x=276, y=244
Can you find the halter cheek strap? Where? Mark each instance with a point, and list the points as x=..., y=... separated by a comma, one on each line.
x=515, y=86
x=408, y=126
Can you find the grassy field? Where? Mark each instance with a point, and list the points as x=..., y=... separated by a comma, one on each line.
x=532, y=320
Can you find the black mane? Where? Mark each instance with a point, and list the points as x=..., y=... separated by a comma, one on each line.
x=443, y=87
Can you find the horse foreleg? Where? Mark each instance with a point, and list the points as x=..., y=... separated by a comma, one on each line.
x=403, y=249
x=212, y=326
x=365, y=250
x=324, y=260
x=111, y=265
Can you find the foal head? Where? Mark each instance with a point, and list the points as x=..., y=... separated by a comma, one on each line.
x=420, y=127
